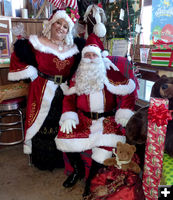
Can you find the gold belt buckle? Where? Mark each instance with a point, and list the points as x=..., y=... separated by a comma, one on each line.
x=57, y=79
x=96, y=115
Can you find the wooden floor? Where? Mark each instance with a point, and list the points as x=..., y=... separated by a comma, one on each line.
x=19, y=181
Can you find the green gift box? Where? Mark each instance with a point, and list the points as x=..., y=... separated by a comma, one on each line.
x=162, y=54
x=167, y=171
x=162, y=57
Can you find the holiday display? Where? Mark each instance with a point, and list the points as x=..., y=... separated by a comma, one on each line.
x=122, y=17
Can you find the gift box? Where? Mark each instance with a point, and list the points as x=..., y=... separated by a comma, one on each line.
x=158, y=116
x=167, y=172
x=162, y=54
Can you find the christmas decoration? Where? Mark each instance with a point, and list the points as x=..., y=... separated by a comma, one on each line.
x=122, y=18
x=158, y=116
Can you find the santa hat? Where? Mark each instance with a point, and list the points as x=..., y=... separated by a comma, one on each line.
x=95, y=45
x=70, y=15
x=99, y=16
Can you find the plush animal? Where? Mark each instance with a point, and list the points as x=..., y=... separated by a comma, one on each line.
x=136, y=128
x=123, y=158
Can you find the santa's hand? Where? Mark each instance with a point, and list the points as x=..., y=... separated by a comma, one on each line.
x=67, y=126
x=64, y=87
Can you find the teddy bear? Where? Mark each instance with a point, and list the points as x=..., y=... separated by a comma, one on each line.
x=123, y=158
x=120, y=172
x=136, y=128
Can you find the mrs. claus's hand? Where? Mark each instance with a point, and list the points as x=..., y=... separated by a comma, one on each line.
x=67, y=126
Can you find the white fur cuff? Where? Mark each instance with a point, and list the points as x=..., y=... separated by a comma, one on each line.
x=100, y=155
x=122, y=116
x=27, y=147
x=28, y=72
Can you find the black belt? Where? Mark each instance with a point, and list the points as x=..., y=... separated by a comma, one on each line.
x=96, y=115
x=57, y=79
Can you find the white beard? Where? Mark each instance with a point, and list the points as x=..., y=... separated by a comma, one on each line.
x=90, y=76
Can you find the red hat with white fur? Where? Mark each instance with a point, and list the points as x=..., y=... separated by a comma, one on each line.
x=95, y=45
x=66, y=10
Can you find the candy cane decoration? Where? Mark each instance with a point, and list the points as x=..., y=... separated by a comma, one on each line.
x=62, y=3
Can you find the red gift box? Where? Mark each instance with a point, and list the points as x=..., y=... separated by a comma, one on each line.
x=158, y=116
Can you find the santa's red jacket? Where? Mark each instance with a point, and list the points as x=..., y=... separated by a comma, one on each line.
x=117, y=96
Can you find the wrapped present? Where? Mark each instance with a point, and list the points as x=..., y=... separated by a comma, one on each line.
x=167, y=171
x=162, y=54
x=158, y=116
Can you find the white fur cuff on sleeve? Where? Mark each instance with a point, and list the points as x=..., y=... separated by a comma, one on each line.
x=122, y=116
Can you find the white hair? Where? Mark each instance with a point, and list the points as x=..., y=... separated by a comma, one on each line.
x=60, y=14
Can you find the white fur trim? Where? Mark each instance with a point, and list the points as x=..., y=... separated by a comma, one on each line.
x=45, y=49
x=28, y=72
x=27, y=147
x=100, y=155
x=93, y=49
x=69, y=115
x=99, y=106
x=105, y=53
x=99, y=29
x=121, y=89
x=82, y=144
x=44, y=109
x=122, y=116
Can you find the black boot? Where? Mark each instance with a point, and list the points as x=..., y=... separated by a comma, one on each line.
x=79, y=170
x=93, y=171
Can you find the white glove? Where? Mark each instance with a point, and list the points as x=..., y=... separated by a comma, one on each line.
x=64, y=87
x=67, y=126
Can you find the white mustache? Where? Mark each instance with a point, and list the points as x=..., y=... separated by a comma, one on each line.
x=88, y=60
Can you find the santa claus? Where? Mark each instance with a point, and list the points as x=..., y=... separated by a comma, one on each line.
x=97, y=105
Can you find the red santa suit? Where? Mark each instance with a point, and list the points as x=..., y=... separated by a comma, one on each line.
x=114, y=103
x=42, y=90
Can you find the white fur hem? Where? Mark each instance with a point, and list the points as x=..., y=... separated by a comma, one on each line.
x=45, y=49
x=100, y=155
x=82, y=144
x=93, y=49
x=122, y=116
x=27, y=147
x=69, y=115
x=121, y=89
x=28, y=72
x=44, y=109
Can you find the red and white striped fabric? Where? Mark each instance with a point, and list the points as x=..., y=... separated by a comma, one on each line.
x=66, y=3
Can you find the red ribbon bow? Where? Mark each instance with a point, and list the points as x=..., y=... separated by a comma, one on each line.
x=74, y=14
x=159, y=115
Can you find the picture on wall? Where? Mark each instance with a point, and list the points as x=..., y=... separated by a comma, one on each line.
x=162, y=17
x=4, y=46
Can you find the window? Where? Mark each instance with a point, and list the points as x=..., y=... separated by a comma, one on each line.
x=145, y=89
x=148, y=77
